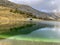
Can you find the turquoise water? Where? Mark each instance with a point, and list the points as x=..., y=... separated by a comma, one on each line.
x=47, y=34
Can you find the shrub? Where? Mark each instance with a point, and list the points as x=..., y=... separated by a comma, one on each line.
x=11, y=10
x=21, y=12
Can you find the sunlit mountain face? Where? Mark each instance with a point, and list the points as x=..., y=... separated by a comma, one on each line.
x=42, y=5
x=49, y=6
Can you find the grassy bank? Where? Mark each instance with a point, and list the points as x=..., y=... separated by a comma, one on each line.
x=22, y=42
x=36, y=39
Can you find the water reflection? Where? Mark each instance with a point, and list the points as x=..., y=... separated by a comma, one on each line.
x=46, y=33
x=51, y=32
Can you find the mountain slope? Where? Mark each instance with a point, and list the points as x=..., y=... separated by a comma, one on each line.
x=56, y=15
x=26, y=9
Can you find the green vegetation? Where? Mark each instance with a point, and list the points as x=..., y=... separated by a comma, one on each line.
x=11, y=10
x=23, y=13
x=17, y=11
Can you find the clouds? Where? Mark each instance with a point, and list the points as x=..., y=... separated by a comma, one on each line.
x=29, y=2
x=43, y=5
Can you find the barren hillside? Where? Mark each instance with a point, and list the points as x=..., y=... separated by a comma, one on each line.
x=26, y=9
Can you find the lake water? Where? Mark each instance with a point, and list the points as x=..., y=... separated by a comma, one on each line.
x=43, y=33
x=49, y=35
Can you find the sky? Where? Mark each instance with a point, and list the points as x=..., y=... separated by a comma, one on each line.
x=41, y=5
